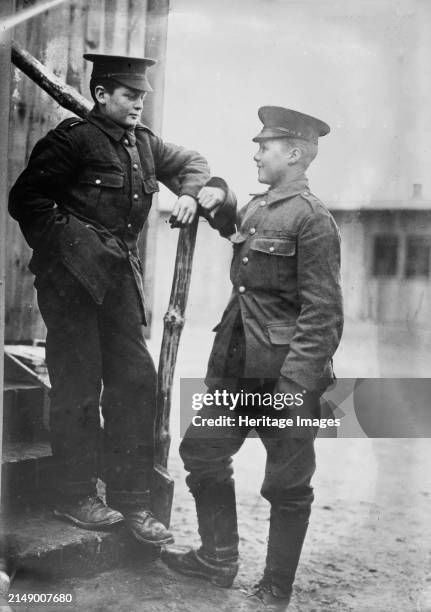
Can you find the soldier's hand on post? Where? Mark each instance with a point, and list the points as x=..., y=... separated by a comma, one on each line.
x=211, y=197
x=184, y=211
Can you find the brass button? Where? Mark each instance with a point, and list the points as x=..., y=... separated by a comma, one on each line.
x=126, y=142
x=271, y=249
x=241, y=289
x=135, y=166
x=262, y=203
x=135, y=197
x=252, y=230
x=97, y=181
x=129, y=225
x=245, y=260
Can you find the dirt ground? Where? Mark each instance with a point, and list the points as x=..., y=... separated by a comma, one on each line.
x=369, y=542
x=367, y=549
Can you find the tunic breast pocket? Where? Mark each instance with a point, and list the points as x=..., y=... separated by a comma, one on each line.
x=273, y=260
x=150, y=185
x=149, y=188
x=104, y=192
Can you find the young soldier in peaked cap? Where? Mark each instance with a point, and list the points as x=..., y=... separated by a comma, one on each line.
x=278, y=334
x=81, y=203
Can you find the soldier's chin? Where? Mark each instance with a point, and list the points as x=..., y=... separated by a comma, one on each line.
x=262, y=178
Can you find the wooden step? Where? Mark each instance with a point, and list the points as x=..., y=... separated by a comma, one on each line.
x=25, y=411
x=26, y=474
x=41, y=543
x=26, y=363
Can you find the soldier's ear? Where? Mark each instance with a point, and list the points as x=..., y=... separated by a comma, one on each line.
x=295, y=155
x=100, y=94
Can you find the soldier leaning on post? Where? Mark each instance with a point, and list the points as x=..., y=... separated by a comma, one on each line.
x=278, y=333
x=81, y=204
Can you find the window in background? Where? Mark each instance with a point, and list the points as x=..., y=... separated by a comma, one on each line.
x=385, y=254
x=418, y=253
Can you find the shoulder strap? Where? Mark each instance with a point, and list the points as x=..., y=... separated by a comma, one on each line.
x=67, y=124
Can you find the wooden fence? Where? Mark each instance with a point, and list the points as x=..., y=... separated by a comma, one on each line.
x=59, y=38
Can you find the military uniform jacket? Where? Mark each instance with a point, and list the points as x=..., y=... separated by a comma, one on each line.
x=87, y=191
x=286, y=288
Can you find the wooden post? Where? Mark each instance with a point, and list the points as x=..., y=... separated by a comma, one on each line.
x=173, y=326
x=156, y=36
x=65, y=95
x=6, y=8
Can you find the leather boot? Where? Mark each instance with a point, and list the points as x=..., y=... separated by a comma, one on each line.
x=146, y=528
x=192, y=563
x=138, y=517
x=89, y=512
x=217, y=558
x=287, y=530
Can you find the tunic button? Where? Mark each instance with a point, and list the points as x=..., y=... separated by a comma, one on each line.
x=262, y=203
x=271, y=249
x=129, y=225
x=126, y=142
x=97, y=181
x=241, y=289
x=245, y=260
x=135, y=166
x=135, y=197
x=252, y=230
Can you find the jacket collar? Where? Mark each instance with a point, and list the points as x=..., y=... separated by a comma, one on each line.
x=290, y=190
x=104, y=123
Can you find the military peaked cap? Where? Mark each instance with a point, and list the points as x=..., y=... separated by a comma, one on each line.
x=279, y=122
x=127, y=71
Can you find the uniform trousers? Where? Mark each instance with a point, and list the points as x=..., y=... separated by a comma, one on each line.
x=207, y=453
x=99, y=364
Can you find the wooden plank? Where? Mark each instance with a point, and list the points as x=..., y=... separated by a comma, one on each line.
x=110, y=7
x=6, y=8
x=33, y=113
x=21, y=306
x=94, y=39
x=75, y=46
x=119, y=42
x=136, y=27
x=156, y=37
x=156, y=40
x=20, y=297
x=26, y=14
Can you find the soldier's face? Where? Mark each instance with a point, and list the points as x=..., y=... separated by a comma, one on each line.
x=273, y=160
x=123, y=105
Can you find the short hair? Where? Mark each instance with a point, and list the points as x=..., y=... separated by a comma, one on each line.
x=308, y=149
x=109, y=84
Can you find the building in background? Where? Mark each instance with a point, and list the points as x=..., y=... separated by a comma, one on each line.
x=360, y=66
x=386, y=259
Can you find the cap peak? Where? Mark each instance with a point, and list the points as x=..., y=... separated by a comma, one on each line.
x=280, y=122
